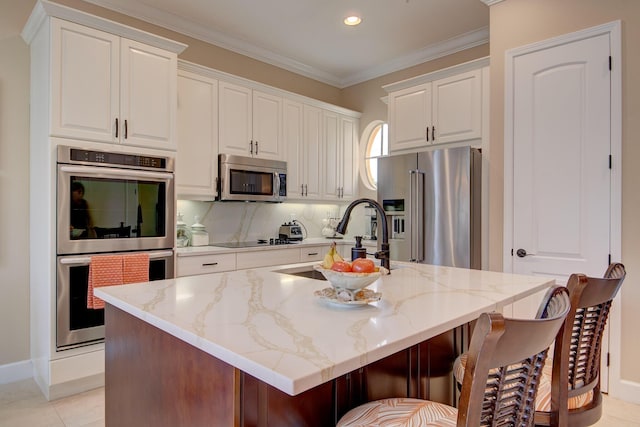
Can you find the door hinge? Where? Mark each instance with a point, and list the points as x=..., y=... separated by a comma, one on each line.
x=610, y=62
x=608, y=358
x=610, y=161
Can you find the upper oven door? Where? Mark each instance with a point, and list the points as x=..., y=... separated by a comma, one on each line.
x=104, y=209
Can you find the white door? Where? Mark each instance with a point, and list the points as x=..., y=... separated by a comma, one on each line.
x=267, y=126
x=148, y=95
x=235, y=119
x=410, y=118
x=558, y=141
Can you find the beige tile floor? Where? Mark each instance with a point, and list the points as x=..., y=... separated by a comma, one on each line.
x=22, y=404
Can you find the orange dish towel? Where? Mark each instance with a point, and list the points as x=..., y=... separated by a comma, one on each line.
x=135, y=268
x=104, y=270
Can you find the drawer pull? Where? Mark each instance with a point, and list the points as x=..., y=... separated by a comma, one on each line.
x=209, y=264
x=312, y=253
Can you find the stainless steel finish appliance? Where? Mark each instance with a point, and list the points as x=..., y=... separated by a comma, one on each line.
x=432, y=203
x=129, y=198
x=125, y=203
x=290, y=232
x=251, y=179
x=78, y=325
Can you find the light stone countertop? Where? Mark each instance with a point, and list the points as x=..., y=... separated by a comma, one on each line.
x=271, y=326
x=312, y=241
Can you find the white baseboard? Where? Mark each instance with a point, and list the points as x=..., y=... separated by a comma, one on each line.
x=17, y=371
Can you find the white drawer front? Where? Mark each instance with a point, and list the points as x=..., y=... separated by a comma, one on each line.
x=267, y=258
x=204, y=264
x=313, y=253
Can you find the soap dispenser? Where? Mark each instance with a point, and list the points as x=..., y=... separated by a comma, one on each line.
x=358, y=251
x=199, y=235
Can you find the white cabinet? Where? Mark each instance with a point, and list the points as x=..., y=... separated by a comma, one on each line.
x=267, y=258
x=107, y=88
x=341, y=164
x=308, y=155
x=250, y=122
x=197, y=140
x=293, y=138
x=313, y=253
x=437, y=112
x=205, y=264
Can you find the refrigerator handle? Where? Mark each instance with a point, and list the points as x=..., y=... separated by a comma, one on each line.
x=416, y=215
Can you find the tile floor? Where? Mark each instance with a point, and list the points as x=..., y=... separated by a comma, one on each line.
x=22, y=405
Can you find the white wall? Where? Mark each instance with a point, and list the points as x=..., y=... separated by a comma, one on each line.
x=14, y=206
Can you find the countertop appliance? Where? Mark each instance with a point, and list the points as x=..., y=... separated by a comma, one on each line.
x=290, y=232
x=250, y=179
x=432, y=203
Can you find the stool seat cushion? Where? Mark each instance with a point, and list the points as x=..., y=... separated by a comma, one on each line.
x=401, y=412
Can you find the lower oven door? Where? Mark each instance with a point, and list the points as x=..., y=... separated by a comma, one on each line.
x=78, y=325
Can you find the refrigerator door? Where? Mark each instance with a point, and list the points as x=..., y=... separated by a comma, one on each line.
x=448, y=206
x=394, y=194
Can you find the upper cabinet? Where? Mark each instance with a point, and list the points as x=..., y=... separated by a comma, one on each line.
x=197, y=122
x=438, y=108
x=108, y=88
x=340, y=145
x=250, y=122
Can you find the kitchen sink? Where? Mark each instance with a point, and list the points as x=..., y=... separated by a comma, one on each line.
x=305, y=271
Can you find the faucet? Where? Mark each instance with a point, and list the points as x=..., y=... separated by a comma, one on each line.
x=383, y=253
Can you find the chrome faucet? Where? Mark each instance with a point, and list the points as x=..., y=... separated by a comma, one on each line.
x=383, y=253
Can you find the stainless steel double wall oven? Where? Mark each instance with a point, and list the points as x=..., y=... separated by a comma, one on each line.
x=107, y=203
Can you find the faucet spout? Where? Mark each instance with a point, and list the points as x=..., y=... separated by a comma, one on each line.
x=383, y=253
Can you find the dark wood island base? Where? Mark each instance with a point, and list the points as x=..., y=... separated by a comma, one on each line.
x=155, y=379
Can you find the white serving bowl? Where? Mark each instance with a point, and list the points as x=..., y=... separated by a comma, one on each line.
x=351, y=281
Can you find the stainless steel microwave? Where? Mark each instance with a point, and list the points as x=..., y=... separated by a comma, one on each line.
x=251, y=179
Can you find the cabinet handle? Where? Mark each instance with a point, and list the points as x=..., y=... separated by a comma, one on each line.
x=256, y=148
x=117, y=127
x=433, y=133
x=302, y=189
x=427, y=133
x=312, y=253
x=306, y=189
x=210, y=264
x=126, y=129
x=251, y=145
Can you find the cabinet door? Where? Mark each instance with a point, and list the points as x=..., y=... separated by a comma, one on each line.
x=333, y=156
x=410, y=118
x=457, y=107
x=313, y=152
x=84, y=92
x=148, y=93
x=293, y=140
x=235, y=109
x=267, y=126
x=197, y=123
x=349, y=136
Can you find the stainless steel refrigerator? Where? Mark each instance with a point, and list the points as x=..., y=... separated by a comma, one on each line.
x=432, y=203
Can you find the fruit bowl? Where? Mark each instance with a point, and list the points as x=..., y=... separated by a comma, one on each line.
x=350, y=281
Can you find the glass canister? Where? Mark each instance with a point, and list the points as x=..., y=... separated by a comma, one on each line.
x=183, y=234
x=199, y=235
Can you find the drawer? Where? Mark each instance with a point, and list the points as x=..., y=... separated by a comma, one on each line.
x=267, y=258
x=313, y=253
x=204, y=264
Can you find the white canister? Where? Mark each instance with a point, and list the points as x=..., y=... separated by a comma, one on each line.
x=199, y=235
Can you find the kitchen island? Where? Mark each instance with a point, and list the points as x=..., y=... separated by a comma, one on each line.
x=257, y=347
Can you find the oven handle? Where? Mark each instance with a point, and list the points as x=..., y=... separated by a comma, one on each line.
x=86, y=260
x=130, y=173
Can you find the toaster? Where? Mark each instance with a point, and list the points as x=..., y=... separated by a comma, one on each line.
x=290, y=231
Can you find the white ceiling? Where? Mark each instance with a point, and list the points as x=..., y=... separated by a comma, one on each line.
x=308, y=36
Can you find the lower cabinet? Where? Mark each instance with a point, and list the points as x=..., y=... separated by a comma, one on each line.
x=255, y=259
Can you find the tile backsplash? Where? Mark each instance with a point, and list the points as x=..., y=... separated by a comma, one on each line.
x=241, y=221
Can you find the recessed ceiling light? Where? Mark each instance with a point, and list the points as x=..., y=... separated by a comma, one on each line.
x=352, y=20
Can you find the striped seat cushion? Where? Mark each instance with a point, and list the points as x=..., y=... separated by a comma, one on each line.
x=543, y=399
x=400, y=412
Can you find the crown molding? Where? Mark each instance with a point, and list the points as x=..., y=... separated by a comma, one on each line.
x=491, y=2
x=44, y=9
x=183, y=26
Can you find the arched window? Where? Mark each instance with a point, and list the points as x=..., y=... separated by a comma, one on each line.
x=377, y=145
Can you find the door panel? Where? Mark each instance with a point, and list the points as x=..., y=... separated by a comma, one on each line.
x=561, y=180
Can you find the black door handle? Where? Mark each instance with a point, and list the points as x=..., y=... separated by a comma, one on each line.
x=522, y=253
